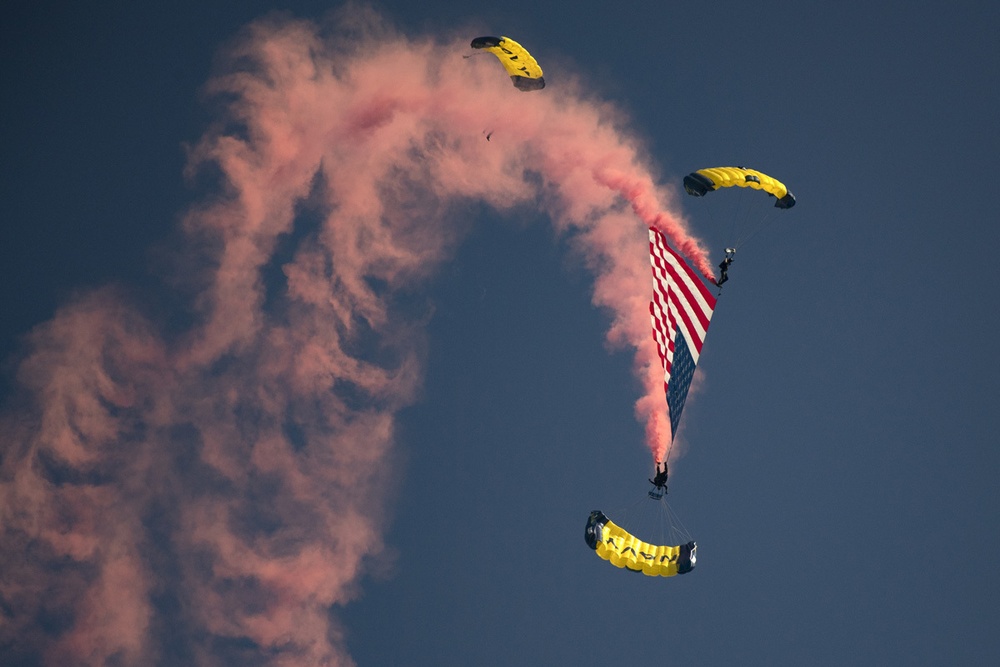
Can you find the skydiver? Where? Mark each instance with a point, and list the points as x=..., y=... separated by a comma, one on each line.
x=724, y=265
x=660, y=479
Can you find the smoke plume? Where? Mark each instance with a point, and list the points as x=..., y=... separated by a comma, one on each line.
x=220, y=481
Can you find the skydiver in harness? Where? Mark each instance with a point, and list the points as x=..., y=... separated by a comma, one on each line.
x=660, y=479
x=724, y=265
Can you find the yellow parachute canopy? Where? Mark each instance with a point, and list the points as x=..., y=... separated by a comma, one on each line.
x=520, y=65
x=704, y=181
x=622, y=549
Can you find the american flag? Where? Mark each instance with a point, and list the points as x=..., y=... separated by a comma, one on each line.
x=681, y=309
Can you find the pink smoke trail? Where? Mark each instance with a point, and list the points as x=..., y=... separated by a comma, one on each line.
x=228, y=478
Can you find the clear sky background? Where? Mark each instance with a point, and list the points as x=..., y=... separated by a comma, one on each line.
x=840, y=461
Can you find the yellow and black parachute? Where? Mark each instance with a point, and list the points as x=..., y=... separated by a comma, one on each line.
x=520, y=65
x=622, y=549
x=704, y=181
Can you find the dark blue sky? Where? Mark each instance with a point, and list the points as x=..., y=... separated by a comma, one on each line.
x=841, y=463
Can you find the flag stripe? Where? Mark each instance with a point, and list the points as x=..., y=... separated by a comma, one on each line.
x=669, y=269
x=681, y=305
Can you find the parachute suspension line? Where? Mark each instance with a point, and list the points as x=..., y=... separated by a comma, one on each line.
x=747, y=205
x=625, y=512
x=675, y=520
x=745, y=201
x=731, y=216
x=653, y=520
x=733, y=226
x=734, y=216
x=753, y=231
x=635, y=513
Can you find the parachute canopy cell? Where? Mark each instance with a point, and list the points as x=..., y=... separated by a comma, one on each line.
x=520, y=65
x=622, y=549
x=704, y=181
